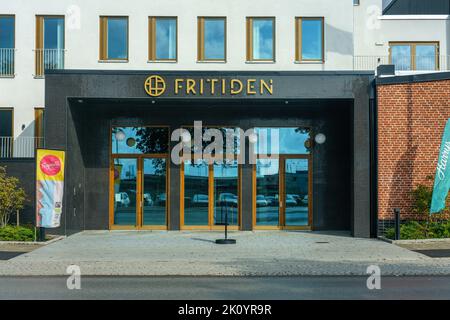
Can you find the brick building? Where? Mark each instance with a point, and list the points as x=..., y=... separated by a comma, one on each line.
x=412, y=113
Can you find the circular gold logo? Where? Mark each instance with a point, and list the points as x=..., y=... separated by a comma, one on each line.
x=155, y=86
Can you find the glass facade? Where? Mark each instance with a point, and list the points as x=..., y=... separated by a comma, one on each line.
x=196, y=194
x=289, y=140
x=154, y=191
x=226, y=193
x=125, y=191
x=267, y=198
x=140, y=140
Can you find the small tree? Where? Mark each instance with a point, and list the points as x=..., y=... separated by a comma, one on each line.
x=12, y=197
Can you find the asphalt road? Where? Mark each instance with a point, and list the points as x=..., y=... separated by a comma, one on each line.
x=237, y=288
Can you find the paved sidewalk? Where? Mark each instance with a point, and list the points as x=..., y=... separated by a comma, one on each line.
x=195, y=253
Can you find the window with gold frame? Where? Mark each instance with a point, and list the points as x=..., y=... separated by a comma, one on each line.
x=212, y=43
x=260, y=39
x=162, y=39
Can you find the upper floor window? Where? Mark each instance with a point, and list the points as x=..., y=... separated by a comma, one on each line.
x=260, y=39
x=162, y=38
x=421, y=56
x=309, y=39
x=7, y=45
x=49, y=43
x=113, y=38
x=211, y=39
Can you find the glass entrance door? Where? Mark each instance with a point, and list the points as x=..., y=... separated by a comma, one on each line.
x=296, y=193
x=139, y=193
x=282, y=193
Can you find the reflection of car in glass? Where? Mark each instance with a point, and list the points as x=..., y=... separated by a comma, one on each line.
x=228, y=199
x=261, y=201
x=161, y=199
x=296, y=197
x=272, y=201
x=200, y=200
x=290, y=201
x=122, y=199
x=305, y=199
x=148, y=199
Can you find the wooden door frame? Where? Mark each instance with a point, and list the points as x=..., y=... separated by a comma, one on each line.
x=282, y=193
x=139, y=192
x=210, y=226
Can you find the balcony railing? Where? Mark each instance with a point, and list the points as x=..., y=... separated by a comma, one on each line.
x=48, y=59
x=403, y=63
x=21, y=147
x=7, y=56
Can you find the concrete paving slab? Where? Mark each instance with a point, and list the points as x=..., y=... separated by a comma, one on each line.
x=195, y=253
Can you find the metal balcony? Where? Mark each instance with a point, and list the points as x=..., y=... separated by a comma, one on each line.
x=48, y=59
x=7, y=57
x=20, y=147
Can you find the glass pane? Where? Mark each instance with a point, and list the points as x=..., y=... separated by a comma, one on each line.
x=401, y=57
x=426, y=57
x=214, y=39
x=6, y=32
x=312, y=40
x=196, y=194
x=296, y=186
x=282, y=140
x=229, y=136
x=125, y=171
x=263, y=39
x=166, y=39
x=154, y=192
x=117, y=38
x=6, y=123
x=53, y=33
x=267, y=192
x=137, y=140
x=226, y=199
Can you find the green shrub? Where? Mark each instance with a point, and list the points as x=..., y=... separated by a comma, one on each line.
x=413, y=230
x=422, y=196
x=13, y=233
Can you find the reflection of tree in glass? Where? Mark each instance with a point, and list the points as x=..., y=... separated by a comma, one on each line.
x=153, y=140
x=231, y=145
x=301, y=130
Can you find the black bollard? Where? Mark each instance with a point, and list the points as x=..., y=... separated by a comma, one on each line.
x=397, y=223
x=41, y=234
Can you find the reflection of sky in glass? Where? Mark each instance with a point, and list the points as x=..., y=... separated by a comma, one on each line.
x=281, y=141
x=117, y=38
x=129, y=168
x=226, y=170
x=200, y=169
x=53, y=33
x=263, y=39
x=401, y=57
x=312, y=39
x=166, y=39
x=296, y=165
x=214, y=39
x=6, y=32
x=267, y=167
x=425, y=57
x=153, y=166
x=140, y=140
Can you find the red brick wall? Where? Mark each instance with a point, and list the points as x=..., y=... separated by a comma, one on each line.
x=411, y=120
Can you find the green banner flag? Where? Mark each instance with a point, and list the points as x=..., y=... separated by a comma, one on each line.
x=442, y=179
